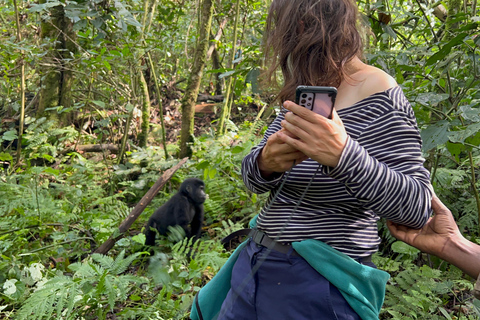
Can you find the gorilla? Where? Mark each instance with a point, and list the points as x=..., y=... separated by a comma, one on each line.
x=184, y=209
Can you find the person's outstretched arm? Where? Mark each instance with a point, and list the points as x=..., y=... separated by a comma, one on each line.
x=441, y=237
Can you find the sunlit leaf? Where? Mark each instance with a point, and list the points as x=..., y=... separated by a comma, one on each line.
x=445, y=50
x=460, y=136
x=431, y=98
x=402, y=247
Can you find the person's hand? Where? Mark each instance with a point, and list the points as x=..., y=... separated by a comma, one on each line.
x=277, y=156
x=434, y=237
x=321, y=139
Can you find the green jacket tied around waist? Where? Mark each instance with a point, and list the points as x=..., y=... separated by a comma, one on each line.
x=362, y=286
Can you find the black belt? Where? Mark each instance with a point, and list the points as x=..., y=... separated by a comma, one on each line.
x=262, y=239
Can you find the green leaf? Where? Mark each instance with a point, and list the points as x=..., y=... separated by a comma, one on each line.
x=252, y=78
x=212, y=172
x=455, y=149
x=226, y=74
x=435, y=134
x=460, y=136
x=469, y=113
x=101, y=104
x=237, y=149
x=134, y=297
x=52, y=171
x=107, y=65
x=445, y=313
x=5, y=156
x=402, y=247
x=431, y=98
x=445, y=50
x=45, y=6
x=126, y=51
x=238, y=60
x=10, y=135
x=474, y=139
x=388, y=30
x=115, y=53
x=139, y=238
x=203, y=165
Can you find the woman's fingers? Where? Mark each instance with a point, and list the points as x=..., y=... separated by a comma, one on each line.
x=277, y=156
x=287, y=133
x=319, y=138
x=298, y=110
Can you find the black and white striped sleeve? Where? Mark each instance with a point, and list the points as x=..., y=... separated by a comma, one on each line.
x=251, y=173
x=383, y=169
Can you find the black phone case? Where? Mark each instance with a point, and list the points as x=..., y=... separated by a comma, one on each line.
x=309, y=90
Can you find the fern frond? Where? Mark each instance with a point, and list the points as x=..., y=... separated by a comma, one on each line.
x=103, y=260
x=60, y=295
x=86, y=270
x=229, y=227
x=121, y=263
x=181, y=248
x=56, y=297
x=110, y=291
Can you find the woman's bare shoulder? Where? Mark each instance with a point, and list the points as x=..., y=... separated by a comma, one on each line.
x=367, y=81
x=375, y=80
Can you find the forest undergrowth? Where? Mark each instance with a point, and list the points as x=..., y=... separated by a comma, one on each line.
x=55, y=215
x=91, y=100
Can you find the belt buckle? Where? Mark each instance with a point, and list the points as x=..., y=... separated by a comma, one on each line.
x=258, y=236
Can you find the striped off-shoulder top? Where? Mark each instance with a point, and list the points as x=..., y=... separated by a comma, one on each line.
x=380, y=174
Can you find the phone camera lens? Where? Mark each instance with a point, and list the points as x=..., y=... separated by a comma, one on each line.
x=304, y=95
x=309, y=104
x=310, y=98
x=303, y=101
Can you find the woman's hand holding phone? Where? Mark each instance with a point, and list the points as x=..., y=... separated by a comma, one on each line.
x=277, y=156
x=321, y=139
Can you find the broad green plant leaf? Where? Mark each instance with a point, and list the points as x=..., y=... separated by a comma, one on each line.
x=45, y=6
x=226, y=74
x=445, y=50
x=455, y=149
x=460, y=136
x=469, y=113
x=5, y=156
x=403, y=248
x=435, y=134
x=431, y=98
x=10, y=135
x=101, y=104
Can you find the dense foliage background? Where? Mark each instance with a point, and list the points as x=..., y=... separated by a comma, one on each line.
x=96, y=103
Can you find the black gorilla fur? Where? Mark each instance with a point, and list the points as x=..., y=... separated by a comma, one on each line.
x=184, y=209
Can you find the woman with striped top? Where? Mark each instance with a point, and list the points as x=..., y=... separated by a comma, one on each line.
x=329, y=179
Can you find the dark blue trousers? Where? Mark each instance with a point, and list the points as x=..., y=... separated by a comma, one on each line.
x=274, y=285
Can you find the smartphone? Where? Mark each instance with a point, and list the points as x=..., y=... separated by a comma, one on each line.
x=320, y=100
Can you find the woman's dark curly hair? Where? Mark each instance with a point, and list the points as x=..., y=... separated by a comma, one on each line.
x=311, y=41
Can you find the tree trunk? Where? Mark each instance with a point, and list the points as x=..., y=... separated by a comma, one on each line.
x=451, y=23
x=22, y=87
x=193, y=85
x=225, y=112
x=57, y=81
x=213, y=52
x=216, y=66
x=143, y=136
